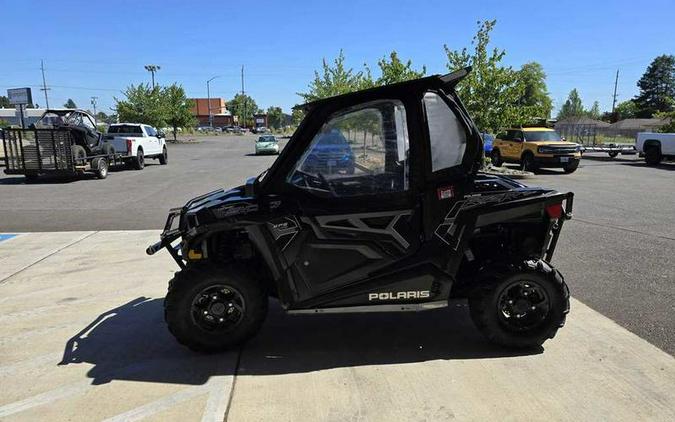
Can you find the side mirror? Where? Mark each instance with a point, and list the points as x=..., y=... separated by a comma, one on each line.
x=161, y=134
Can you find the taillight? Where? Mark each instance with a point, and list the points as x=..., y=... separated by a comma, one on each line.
x=554, y=210
x=129, y=146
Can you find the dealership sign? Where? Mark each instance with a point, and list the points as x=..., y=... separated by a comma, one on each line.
x=19, y=96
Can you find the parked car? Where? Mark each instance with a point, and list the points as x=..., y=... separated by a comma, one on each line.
x=136, y=142
x=655, y=147
x=488, y=139
x=266, y=144
x=331, y=154
x=535, y=147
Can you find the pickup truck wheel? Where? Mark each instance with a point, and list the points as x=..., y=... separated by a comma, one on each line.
x=139, y=161
x=613, y=154
x=496, y=158
x=652, y=156
x=209, y=309
x=522, y=306
x=164, y=158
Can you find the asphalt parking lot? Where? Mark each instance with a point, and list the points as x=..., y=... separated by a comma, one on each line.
x=617, y=253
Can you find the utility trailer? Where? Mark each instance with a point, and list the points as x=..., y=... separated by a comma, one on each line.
x=36, y=152
x=612, y=150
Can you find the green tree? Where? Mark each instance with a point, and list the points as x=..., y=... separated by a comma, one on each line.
x=142, y=105
x=244, y=107
x=535, y=93
x=491, y=91
x=296, y=116
x=70, y=104
x=573, y=106
x=178, y=108
x=625, y=110
x=594, y=112
x=394, y=70
x=657, y=87
x=670, y=127
x=335, y=79
x=4, y=102
x=275, y=117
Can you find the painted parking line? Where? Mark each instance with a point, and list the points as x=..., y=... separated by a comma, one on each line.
x=5, y=236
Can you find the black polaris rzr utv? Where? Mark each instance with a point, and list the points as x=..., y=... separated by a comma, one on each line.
x=413, y=225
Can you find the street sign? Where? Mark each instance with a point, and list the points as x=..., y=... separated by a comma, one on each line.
x=18, y=96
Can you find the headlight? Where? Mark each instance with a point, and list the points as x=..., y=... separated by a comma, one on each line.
x=542, y=150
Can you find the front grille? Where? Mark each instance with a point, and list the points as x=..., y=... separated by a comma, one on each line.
x=558, y=150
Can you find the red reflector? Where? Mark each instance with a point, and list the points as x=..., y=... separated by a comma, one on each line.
x=554, y=211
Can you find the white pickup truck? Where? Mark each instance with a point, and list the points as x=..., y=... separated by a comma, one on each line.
x=136, y=142
x=655, y=147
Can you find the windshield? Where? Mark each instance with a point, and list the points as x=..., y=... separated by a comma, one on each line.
x=267, y=139
x=125, y=129
x=544, y=135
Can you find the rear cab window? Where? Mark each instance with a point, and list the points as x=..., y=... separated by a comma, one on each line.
x=447, y=136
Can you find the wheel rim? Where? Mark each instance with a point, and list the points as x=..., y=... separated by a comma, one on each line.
x=218, y=308
x=523, y=305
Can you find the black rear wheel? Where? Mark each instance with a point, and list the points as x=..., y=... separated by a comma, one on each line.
x=209, y=309
x=79, y=155
x=139, y=161
x=613, y=154
x=521, y=307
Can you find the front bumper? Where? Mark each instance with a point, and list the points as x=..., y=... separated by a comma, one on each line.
x=556, y=160
x=168, y=236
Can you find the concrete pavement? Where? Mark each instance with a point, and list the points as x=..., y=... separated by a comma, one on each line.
x=82, y=337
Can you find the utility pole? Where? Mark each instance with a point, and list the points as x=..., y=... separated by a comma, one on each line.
x=616, y=82
x=152, y=68
x=208, y=99
x=93, y=104
x=243, y=93
x=44, y=82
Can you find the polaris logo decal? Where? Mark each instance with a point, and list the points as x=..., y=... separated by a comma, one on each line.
x=420, y=294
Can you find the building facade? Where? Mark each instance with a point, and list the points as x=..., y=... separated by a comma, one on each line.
x=217, y=108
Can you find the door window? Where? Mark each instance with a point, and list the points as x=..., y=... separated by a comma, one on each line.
x=447, y=136
x=359, y=151
x=151, y=131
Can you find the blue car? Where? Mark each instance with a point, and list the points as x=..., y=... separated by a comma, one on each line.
x=331, y=154
x=487, y=143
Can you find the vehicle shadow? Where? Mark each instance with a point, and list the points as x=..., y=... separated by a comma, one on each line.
x=642, y=164
x=131, y=342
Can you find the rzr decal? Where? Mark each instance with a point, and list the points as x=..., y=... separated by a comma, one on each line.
x=284, y=230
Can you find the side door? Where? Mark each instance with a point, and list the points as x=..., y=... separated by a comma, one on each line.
x=152, y=141
x=517, y=144
x=453, y=147
x=359, y=210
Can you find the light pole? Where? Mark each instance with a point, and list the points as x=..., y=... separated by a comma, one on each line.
x=152, y=68
x=208, y=99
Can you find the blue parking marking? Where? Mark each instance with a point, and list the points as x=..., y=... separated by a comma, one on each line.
x=6, y=236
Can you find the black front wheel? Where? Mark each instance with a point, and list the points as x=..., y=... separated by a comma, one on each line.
x=164, y=158
x=527, y=163
x=522, y=306
x=571, y=167
x=210, y=309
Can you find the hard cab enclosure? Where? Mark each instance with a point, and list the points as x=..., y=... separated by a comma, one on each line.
x=401, y=220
